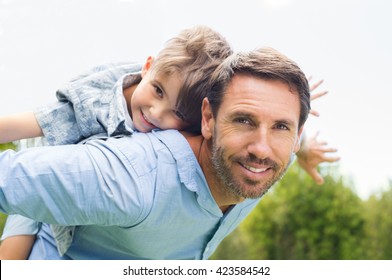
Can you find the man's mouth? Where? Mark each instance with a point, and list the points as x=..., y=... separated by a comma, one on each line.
x=254, y=169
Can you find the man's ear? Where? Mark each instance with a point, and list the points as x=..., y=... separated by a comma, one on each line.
x=207, y=120
x=298, y=143
x=147, y=65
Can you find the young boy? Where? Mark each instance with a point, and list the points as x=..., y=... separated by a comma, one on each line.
x=115, y=100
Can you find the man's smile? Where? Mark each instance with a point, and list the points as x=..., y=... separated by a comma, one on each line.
x=254, y=169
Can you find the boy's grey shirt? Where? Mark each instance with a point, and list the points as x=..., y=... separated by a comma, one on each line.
x=89, y=105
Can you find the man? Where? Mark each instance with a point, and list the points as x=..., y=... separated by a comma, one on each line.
x=166, y=195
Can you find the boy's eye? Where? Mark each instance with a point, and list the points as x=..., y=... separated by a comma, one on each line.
x=158, y=91
x=179, y=115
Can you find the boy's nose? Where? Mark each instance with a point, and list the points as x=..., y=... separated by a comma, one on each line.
x=156, y=113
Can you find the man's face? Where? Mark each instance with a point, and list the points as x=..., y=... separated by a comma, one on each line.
x=254, y=135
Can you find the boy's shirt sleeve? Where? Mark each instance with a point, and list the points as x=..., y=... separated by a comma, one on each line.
x=90, y=104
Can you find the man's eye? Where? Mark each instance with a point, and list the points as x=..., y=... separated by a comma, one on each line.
x=242, y=120
x=158, y=91
x=282, y=127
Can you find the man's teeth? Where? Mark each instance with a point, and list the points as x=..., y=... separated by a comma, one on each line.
x=255, y=170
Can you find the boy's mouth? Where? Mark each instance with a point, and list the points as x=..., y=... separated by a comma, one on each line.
x=146, y=120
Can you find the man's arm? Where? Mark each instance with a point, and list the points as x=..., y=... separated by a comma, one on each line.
x=19, y=126
x=71, y=185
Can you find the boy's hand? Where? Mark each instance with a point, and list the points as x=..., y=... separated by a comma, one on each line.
x=314, y=96
x=312, y=153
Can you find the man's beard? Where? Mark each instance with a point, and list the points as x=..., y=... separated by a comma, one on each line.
x=239, y=189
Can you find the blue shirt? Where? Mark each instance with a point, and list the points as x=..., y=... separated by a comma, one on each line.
x=138, y=197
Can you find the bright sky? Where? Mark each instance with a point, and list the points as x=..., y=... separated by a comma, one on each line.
x=43, y=43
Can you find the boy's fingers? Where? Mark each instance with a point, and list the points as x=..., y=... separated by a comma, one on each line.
x=318, y=95
x=315, y=85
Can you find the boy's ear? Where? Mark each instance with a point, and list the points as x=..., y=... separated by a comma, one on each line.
x=207, y=120
x=147, y=65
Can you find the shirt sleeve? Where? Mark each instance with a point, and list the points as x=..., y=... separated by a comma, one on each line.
x=19, y=225
x=73, y=185
x=58, y=123
x=89, y=104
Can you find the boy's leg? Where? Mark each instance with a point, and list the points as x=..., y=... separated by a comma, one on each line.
x=18, y=237
x=16, y=247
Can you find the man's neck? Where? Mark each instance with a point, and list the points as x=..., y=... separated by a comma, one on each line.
x=221, y=195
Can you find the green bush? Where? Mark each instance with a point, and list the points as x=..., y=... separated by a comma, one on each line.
x=378, y=216
x=7, y=146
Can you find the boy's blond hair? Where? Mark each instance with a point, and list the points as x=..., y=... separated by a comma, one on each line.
x=193, y=54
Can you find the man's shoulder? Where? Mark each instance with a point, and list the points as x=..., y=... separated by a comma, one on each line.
x=171, y=140
x=151, y=142
x=164, y=136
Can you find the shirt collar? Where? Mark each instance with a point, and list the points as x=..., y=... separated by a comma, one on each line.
x=189, y=170
x=182, y=153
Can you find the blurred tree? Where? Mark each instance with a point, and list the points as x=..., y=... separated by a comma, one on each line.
x=7, y=146
x=378, y=216
x=3, y=218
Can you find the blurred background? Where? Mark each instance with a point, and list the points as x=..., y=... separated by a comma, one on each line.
x=44, y=43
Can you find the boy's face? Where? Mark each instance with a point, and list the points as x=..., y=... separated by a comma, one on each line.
x=153, y=102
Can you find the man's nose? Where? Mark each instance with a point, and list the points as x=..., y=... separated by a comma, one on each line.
x=260, y=144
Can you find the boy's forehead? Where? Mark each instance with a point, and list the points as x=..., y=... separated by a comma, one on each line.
x=165, y=75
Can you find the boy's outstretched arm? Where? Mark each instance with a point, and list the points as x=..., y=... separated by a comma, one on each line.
x=312, y=151
x=19, y=126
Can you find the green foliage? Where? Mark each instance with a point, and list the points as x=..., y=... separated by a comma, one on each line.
x=7, y=146
x=378, y=216
x=3, y=218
